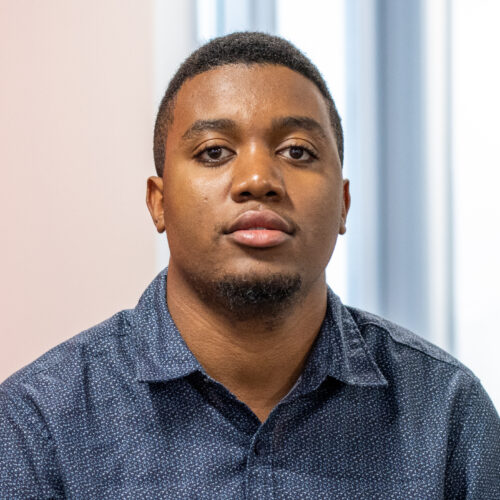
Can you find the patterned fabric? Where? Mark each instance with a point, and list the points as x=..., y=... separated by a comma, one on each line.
x=124, y=410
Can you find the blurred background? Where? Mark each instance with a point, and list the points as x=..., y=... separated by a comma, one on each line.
x=415, y=82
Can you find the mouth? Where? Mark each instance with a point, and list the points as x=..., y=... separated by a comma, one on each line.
x=260, y=229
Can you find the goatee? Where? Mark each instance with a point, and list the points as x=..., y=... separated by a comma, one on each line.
x=242, y=297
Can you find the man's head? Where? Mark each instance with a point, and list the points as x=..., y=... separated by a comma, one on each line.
x=240, y=48
x=252, y=195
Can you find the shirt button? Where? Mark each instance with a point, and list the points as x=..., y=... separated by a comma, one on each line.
x=259, y=448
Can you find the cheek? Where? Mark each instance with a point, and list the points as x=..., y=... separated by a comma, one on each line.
x=320, y=202
x=189, y=208
x=322, y=222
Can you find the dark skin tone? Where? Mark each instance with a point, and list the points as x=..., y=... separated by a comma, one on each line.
x=249, y=138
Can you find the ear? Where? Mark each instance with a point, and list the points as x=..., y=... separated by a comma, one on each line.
x=346, y=203
x=154, y=201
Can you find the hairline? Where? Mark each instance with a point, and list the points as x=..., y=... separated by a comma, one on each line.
x=167, y=107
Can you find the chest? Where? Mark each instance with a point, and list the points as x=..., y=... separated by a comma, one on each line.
x=185, y=441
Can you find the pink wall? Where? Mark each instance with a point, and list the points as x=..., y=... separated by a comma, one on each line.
x=77, y=110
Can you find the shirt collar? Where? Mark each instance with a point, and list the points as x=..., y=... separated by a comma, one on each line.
x=339, y=350
x=162, y=354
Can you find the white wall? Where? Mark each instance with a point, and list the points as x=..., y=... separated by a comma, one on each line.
x=77, y=100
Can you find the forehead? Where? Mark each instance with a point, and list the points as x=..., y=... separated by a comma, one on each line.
x=251, y=95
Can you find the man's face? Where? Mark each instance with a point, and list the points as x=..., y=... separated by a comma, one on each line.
x=252, y=183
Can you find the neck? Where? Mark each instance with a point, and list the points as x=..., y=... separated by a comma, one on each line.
x=257, y=359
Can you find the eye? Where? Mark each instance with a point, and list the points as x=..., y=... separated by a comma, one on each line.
x=214, y=154
x=297, y=153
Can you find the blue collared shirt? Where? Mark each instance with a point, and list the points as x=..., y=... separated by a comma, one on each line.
x=124, y=410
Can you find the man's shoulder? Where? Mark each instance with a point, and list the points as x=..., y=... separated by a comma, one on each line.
x=408, y=348
x=68, y=360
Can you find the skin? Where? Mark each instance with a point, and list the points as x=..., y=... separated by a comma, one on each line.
x=258, y=160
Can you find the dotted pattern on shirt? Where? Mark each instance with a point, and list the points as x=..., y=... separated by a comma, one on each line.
x=124, y=410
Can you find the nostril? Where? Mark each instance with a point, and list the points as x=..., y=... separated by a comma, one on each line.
x=269, y=194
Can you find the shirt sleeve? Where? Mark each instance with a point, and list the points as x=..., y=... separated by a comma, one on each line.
x=473, y=471
x=28, y=466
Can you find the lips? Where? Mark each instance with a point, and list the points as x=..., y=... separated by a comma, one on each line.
x=260, y=229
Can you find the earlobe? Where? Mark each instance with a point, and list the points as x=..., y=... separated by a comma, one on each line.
x=154, y=201
x=160, y=224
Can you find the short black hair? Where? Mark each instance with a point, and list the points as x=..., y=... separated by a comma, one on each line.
x=239, y=48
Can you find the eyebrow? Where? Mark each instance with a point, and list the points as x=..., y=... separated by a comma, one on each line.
x=227, y=125
x=200, y=126
x=303, y=122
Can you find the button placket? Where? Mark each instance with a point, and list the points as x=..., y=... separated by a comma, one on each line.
x=259, y=447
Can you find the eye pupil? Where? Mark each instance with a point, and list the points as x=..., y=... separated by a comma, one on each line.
x=296, y=152
x=214, y=153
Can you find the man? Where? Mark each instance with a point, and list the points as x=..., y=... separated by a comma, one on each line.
x=239, y=374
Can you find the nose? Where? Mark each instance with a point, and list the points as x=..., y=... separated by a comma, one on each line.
x=257, y=176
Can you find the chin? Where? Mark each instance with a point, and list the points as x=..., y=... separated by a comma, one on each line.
x=258, y=267
x=244, y=293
